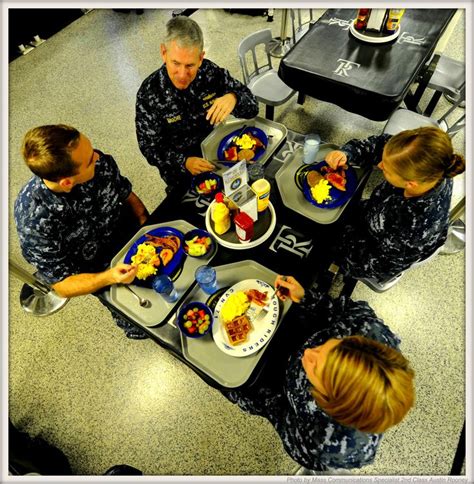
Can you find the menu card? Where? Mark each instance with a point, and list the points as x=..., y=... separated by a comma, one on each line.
x=236, y=188
x=235, y=177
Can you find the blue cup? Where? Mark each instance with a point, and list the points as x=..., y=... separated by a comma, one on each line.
x=206, y=277
x=163, y=285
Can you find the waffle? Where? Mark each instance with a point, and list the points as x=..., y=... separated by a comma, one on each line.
x=238, y=329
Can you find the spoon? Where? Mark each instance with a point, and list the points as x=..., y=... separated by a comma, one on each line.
x=144, y=303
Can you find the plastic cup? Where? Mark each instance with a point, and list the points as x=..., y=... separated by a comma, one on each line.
x=255, y=172
x=163, y=285
x=206, y=277
x=311, y=148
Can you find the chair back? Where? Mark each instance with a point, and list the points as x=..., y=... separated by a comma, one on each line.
x=449, y=76
x=301, y=20
x=259, y=61
x=459, y=123
x=443, y=75
x=403, y=119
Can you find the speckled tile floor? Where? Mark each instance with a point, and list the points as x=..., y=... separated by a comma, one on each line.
x=76, y=381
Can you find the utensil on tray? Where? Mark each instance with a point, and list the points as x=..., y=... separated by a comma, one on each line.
x=257, y=314
x=221, y=164
x=144, y=303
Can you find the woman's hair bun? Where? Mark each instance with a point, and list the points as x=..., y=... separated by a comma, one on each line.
x=457, y=166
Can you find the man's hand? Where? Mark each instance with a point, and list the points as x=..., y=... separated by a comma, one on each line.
x=335, y=159
x=288, y=286
x=123, y=273
x=197, y=165
x=221, y=108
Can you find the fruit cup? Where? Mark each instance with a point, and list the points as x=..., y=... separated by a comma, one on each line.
x=195, y=319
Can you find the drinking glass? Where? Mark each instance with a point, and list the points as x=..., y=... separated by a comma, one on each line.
x=255, y=172
x=163, y=285
x=311, y=148
x=206, y=277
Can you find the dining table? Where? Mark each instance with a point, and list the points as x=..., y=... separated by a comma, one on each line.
x=294, y=244
x=364, y=75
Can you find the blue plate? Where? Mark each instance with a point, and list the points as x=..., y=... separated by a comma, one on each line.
x=174, y=263
x=208, y=175
x=339, y=197
x=227, y=142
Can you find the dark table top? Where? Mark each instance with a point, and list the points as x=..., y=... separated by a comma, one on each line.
x=296, y=247
x=369, y=79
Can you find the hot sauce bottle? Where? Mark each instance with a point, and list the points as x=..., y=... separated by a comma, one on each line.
x=362, y=18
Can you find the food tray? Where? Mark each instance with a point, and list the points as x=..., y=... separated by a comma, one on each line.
x=293, y=197
x=276, y=133
x=203, y=353
x=263, y=228
x=160, y=309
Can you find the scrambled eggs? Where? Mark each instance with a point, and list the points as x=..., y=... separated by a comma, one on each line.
x=320, y=192
x=245, y=142
x=144, y=259
x=236, y=305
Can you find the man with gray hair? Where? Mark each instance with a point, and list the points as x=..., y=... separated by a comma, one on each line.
x=178, y=105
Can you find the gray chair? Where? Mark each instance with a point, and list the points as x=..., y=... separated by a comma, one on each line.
x=445, y=76
x=258, y=73
x=300, y=22
x=382, y=286
x=402, y=119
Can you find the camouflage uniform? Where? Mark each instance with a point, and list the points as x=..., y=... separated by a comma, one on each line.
x=62, y=234
x=171, y=123
x=390, y=231
x=310, y=436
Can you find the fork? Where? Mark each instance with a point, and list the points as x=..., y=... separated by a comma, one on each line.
x=264, y=310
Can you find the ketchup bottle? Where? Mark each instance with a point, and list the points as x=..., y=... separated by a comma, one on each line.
x=243, y=227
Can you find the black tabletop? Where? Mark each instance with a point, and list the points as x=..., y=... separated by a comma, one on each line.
x=369, y=79
x=296, y=247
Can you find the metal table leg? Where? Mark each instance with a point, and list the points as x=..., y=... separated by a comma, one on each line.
x=456, y=240
x=279, y=46
x=36, y=297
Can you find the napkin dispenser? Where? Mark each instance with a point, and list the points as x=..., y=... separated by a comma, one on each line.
x=246, y=200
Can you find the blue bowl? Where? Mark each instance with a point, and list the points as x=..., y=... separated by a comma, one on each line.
x=200, y=233
x=201, y=178
x=189, y=307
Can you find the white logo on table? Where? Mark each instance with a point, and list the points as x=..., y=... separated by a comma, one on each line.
x=344, y=67
x=406, y=38
x=346, y=24
x=199, y=201
x=286, y=240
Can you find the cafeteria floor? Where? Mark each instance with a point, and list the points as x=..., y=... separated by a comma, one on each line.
x=78, y=382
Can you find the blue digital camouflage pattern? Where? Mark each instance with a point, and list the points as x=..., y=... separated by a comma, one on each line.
x=171, y=123
x=310, y=436
x=62, y=234
x=390, y=231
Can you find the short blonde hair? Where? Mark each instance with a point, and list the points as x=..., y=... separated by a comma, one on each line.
x=47, y=151
x=369, y=385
